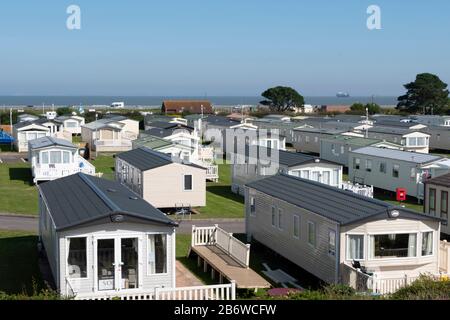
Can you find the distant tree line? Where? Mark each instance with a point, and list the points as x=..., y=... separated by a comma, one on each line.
x=427, y=94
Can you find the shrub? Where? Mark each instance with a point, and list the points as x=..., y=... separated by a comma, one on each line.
x=424, y=288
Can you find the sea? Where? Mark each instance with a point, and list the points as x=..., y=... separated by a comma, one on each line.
x=156, y=101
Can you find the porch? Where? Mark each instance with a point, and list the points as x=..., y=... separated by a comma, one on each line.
x=227, y=257
x=48, y=172
x=376, y=283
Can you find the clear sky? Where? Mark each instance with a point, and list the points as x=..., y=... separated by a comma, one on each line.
x=220, y=47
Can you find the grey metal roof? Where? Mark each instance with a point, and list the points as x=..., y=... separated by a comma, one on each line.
x=343, y=207
x=144, y=158
x=443, y=180
x=162, y=133
x=26, y=124
x=48, y=142
x=101, y=123
x=79, y=199
x=321, y=130
x=220, y=121
x=391, y=130
x=166, y=125
x=288, y=158
x=397, y=154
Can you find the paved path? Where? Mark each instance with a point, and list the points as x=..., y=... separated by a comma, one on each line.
x=24, y=223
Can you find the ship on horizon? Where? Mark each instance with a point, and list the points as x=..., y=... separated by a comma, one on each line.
x=342, y=94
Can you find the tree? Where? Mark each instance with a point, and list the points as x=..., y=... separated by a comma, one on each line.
x=64, y=111
x=360, y=108
x=427, y=94
x=282, y=99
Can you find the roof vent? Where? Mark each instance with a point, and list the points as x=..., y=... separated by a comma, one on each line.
x=112, y=190
x=134, y=198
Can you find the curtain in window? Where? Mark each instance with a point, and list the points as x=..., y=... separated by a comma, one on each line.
x=44, y=157
x=372, y=247
x=66, y=157
x=55, y=157
x=151, y=254
x=412, y=245
x=355, y=247
x=326, y=177
x=427, y=243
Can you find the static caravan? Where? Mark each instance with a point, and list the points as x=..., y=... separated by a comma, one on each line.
x=110, y=134
x=71, y=124
x=262, y=163
x=436, y=200
x=411, y=140
x=162, y=180
x=23, y=132
x=390, y=169
x=307, y=139
x=53, y=158
x=439, y=137
x=336, y=148
x=341, y=237
x=104, y=240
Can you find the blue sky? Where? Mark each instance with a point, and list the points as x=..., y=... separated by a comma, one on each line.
x=220, y=47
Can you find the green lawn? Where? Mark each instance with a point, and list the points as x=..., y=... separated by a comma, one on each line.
x=220, y=201
x=105, y=164
x=183, y=242
x=410, y=204
x=17, y=193
x=19, y=263
x=76, y=139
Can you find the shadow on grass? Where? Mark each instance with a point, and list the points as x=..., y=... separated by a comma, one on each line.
x=191, y=265
x=225, y=192
x=261, y=254
x=19, y=265
x=21, y=174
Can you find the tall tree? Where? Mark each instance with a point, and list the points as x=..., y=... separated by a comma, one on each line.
x=427, y=94
x=282, y=99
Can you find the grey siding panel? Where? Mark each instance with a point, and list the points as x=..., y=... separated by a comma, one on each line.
x=315, y=260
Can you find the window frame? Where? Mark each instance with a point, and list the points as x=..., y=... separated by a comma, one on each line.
x=347, y=246
x=432, y=209
x=184, y=182
x=280, y=219
x=148, y=273
x=252, y=206
x=273, y=217
x=68, y=239
x=432, y=244
x=369, y=240
x=394, y=166
x=332, y=252
x=311, y=223
x=296, y=224
x=444, y=214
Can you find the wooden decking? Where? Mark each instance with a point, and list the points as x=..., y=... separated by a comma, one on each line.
x=229, y=268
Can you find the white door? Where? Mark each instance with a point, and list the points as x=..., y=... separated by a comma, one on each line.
x=117, y=263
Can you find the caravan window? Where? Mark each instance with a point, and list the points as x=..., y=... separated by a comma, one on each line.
x=66, y=157
x=44, y=157
x=393, y=245
x=427, y=243
x=76, y=258
x=188, y=182
x=355, y=247
x=157, y=253
x=55, y=156
x=444, y=204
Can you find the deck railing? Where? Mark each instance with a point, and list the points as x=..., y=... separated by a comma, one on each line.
x=212, y=292
x=45, y=171
x=209, y=236
x=375, y=283
x=362, y=190
x=444, y=257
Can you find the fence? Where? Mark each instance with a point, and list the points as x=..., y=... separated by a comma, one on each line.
x=444, y=257
x=210, y=236
x=213, y=292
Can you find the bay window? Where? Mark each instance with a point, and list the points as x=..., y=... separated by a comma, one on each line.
x=55, y=156
x=157, y=253
x=393, y=245
x=355, y=247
